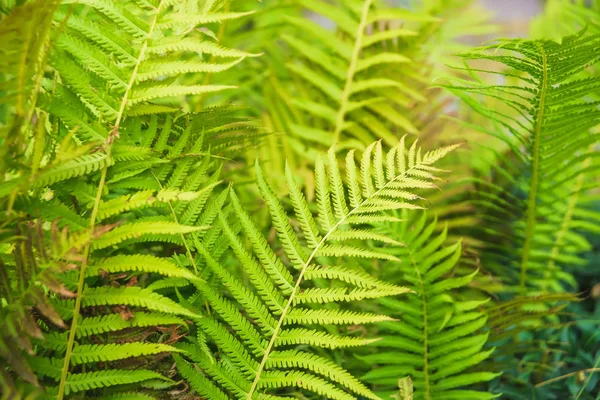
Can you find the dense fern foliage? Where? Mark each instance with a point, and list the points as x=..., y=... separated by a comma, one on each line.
x=261, y=358
x=436, y=337
x=550, y=115
x=215, y=199
x=537, y=198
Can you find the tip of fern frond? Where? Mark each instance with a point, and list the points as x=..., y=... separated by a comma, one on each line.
x=403, y=289
x=370, y=341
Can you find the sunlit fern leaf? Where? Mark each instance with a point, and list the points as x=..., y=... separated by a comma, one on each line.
x=547, y=124
x=283, y=290
x=122, y=57
x=347, y=100
x=143, y=231
x=438, y=336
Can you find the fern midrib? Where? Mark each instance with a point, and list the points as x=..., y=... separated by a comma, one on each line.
x=339, y=122
x=107, y=148
x=531, y=217
x=425, y=326
x=301, y=276
x=208, y=77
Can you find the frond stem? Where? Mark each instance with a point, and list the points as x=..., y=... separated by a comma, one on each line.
x=531, y=215
x=111, y=137
x=80, y=285
x=339, y=122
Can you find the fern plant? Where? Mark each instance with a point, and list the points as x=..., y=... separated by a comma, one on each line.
x=105, y=159
x=438, y=336
x=136, y=262
x=540, y=182
x=256, y=361
x=115, y=73
x=546, y=126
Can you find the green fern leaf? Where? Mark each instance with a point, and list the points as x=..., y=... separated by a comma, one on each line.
x=551, y=113
x=99, y=379
x=85, y=354
x=436, y=339
x=273, y=304
x=136, y=230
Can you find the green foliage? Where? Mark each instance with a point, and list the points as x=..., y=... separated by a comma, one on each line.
x=122, y=55
x=355, y=100
x=537, y=193
x=143, y=257
x=548, y=114
x=257, y=358
x=128, y=192
x=27, y=268
x=437, y=337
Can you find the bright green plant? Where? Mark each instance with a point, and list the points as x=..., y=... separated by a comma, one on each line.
x=536, y=200
x=547, y=126
x=143, y=257
x=437, y=337
x=259, y=354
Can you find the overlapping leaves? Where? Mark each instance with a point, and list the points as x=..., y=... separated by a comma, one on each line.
x=438, y=336
x=278, y=311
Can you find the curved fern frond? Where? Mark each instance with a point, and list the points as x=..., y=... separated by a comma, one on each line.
x=278, y=298
x=99, y=379
x=547, y=124
x=85, y=354
x=438, y=337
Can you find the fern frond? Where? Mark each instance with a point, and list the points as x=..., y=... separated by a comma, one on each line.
x=132, y=296
x=83, y=165
x=136, y=230
x=436, y=340
x=273, y=302
x=347, y=96
x=551, y=114
x=115, y=322
x=85, y=354
x=121, y=58
x=142, y=264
